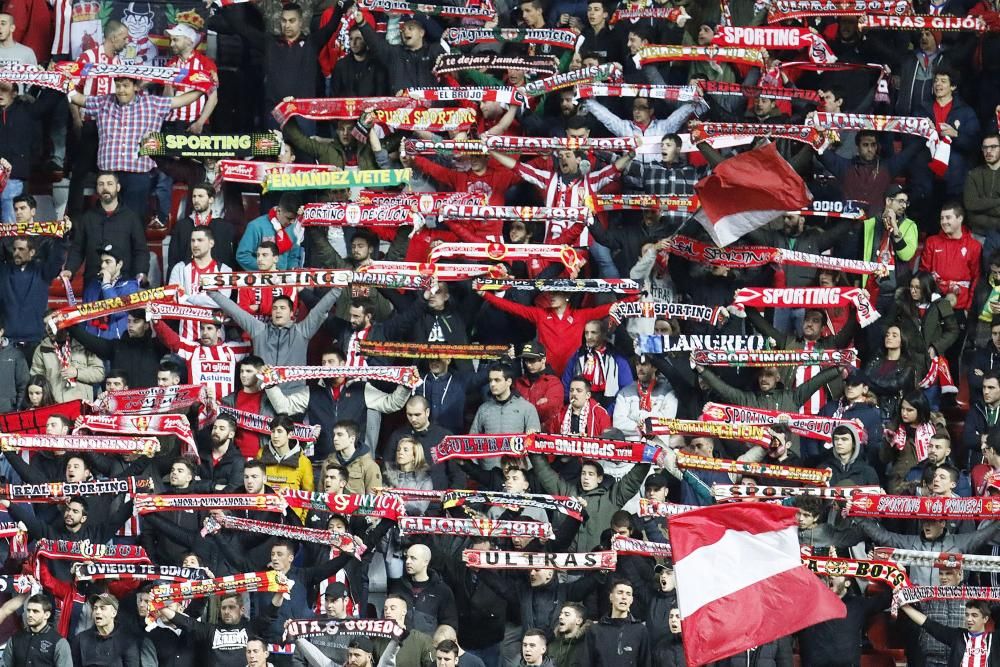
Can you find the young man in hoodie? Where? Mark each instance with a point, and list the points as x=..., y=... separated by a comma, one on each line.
x=287, y=466
x=538, y=385
x=619, y=639
x=364, y=475
x=845, y=460
x=566, y=647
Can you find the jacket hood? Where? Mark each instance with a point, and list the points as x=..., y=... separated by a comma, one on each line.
x=289, y=460
x=575, y=635
x=359, y=451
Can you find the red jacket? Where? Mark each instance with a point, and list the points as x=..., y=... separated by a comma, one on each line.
x=494, y=183
x=598, y=420
x=34, y=26
x=546, y=394
x=954, y=263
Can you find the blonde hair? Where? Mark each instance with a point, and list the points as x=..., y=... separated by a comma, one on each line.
x=419, y=460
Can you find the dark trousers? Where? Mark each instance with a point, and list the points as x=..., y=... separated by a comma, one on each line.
x=84, y=164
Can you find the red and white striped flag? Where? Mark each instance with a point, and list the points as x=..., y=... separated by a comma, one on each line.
x=739, y=571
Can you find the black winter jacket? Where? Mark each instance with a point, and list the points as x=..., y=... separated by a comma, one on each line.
x=618, y=642
x=837, y=642
x=429, y=604
x=140, y=357
x=406, y=69
x=96, y=229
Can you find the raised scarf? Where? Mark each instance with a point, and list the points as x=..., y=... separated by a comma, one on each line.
x=450, y=63
x=343, y=108
x=803, y=425
x=479, y=447
x=403, y=350
x=502, y=252
x=660, y=344
x=447, y=147
x=639, y=12
x=266, y=280
x=738, y=492
x=752, y=92
x=638, y=202
x=621, y=286
x=56, y=228
x=769, y=358
x=915, y=22
x=336, y=214
x=407, y=376
x=938, y=145
x=255, y=173
x=137, y=572
x=610, y=72
x=939, y=559
x=546, y=145
x=298, y=628
x=925, y=507
x=150, y=400
x=489, y=446
x=504, y=95
x=668, y=93
x=654, y=508
x=809, y=297
x=401, y=7
x=922, y=434
x=871, y=570
x=342, y=179
x=474, y=212
x=59, y=492
x=33, y=75
x=776, y=39
x=255, y=423
x=79, y=443
x=913, y=594
x=446, y=272
x=650, y=55
x=380, y=505
x=479, y=527
x=19, y=584
x=172, y=76
x=172, y=424
x=785, y=10
x=146, y=503
x=187, y=145
x=557, y=37
x=526, y=560
x=667, y=309
x=180, y=311
x=752, y=433
x=814, y=476
x=571, y=507
x=819, y=141
x=329, y=538
x=425, y=203
x=629, y=545
x=268, y=581
x=84, y=312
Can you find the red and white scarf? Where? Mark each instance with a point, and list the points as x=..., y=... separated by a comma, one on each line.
x=922, y=434
x=809, y=297
x=638, y=202
x=84, y=312
x=668, y=93
x=379, y=505
x=954, y=508
x=741, y=492
x=146, y=503
x=579, y=214
x=80, y=443
x=501, y=252
x=164, y=425
x=505, y=95
x=427, y=525
x=803, y=425
x=939, y=145
x=726, y=54
x=450, y=63
x=819, y=141
x=814, y=476
x=610, y=72
x=343, y=108
x=150, y=400
x=461, y=37
x=776, y=39
x=784, y=10
x=524, y=560
x=407, y=376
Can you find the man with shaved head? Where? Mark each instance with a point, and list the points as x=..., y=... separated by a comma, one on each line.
x=429, y=600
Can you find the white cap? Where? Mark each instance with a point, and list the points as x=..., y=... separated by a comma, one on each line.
x=184, y=30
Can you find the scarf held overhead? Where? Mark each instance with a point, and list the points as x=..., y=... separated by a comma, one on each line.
x=267, y=280
x=407, y=376
x=571, y=507
x=79, y=443
x=809, y=297
x=426, y=525
x=301, y=628
x=84, y=312
x=814, y=476
x=403, y=350
x=381, y=505
x=343, y=179
x=925, y=507
x=523, y=560
x=145, y=503
x=803, y=425
x=769, y=358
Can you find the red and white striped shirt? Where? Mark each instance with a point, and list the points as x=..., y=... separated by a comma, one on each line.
x=101, y=85
x=354, y=356
x=977, y=650
x=214, y=367
x=188, y=276
x=198, y=62
x=561, y=193
x=803, y=374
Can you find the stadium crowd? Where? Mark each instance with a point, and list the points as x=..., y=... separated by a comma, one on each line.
x=586, y=350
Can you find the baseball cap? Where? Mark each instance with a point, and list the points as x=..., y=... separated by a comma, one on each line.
x=532, y=349
x=184, y=30
x=106, y=599
x=111, y=251
x=856, y=377
x=893, y=190
x=656, y=481
x=362, y=643
x=336, y=590
x=663, y=567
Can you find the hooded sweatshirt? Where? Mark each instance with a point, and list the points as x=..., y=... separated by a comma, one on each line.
x=855, y=471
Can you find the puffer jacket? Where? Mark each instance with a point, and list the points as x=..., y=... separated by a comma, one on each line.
x=567, y=650
x=618, y=642
x=602, y=502
x=291, y=471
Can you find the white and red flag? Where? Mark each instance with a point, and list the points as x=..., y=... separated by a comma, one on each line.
x=747, y=191
x=739, y=572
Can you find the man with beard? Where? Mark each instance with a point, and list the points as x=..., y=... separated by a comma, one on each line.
x=258, y=302
x=332, y=647
x=417, y=648
x=192, y=117
x=538, y=385
x=38, y=643
x=137, y=351
x=222, y=465
x=982, y=190
x=670, y=175
x=225, y=642
x=202, y=200
x=24, y=286
x=446, y=475
x=565, y=649
x=650, y=393
x=274, y=225
x=410, y=64
x=210, y=362
x=110, y=223
x=364, y=249
x=358, y=75
x=618, y=640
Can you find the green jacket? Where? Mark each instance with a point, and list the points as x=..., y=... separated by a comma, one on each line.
x=323, y=254
x=566, y=651
x=779, y=398
x=982, y=199
x=602, y=502
x=904, y=249
x=326, y=152
x=417, y=650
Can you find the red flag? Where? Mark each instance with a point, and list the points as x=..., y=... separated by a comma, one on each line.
x=748, y=191
x=739, y=573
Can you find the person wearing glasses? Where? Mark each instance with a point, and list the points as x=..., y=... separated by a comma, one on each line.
x=982, y=192
x=890, y=239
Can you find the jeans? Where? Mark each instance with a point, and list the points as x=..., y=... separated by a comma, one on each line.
x=15, y=187
x=789, y=320
x=135, y=191
x=602, y=257
x=163, y=191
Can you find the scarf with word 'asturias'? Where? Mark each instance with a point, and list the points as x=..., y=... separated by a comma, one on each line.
x=526, y=560
x=56, y=228
x=739, y=492
x=925, y=507
x=668, y=93
x=660, y=426
x=652, y=508
x=450, y=63
x=809, y=297
x=379, y=505
x=727, y=54
x=819, y=141
x=814, y=476
x=545, y=145
x=266, y=280
x=924, y=22
x=150, y=400
x=146, y=503
x=482, y=527
x=478, y=12
x=343, y=179
x=301, y=628
x=914, y=594
x=668, y=309
x=172, y=76
x=571, y=507
x=137, y=572
x=610, y=72
x=753, y=256
x=752, y=92
x=384, y=348
x=337, y=540
x=939, y=559
x=769, y=358
x=179, y=311
x=84, y=312
x=784, y=10
x=631, y=546
x=503, y=95
x=476, y=212
x=887, y=573
x=79, y=443
x=558, y=37
x=803, y=425
x=255, y=423
x=638, y=202
x=407, y=376
x=33, y=75
x=269, y=581
x=58, y=492
x=173, y=424
x=343, y=108
x=622, y=286
x=775, y=39
x=939, y=145
x=501, y=252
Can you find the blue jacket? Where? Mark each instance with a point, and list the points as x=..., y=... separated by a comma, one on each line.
x=446, y=394
x=112, y=327
x=964, y=146
x=260, y=229
x=24, y=293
